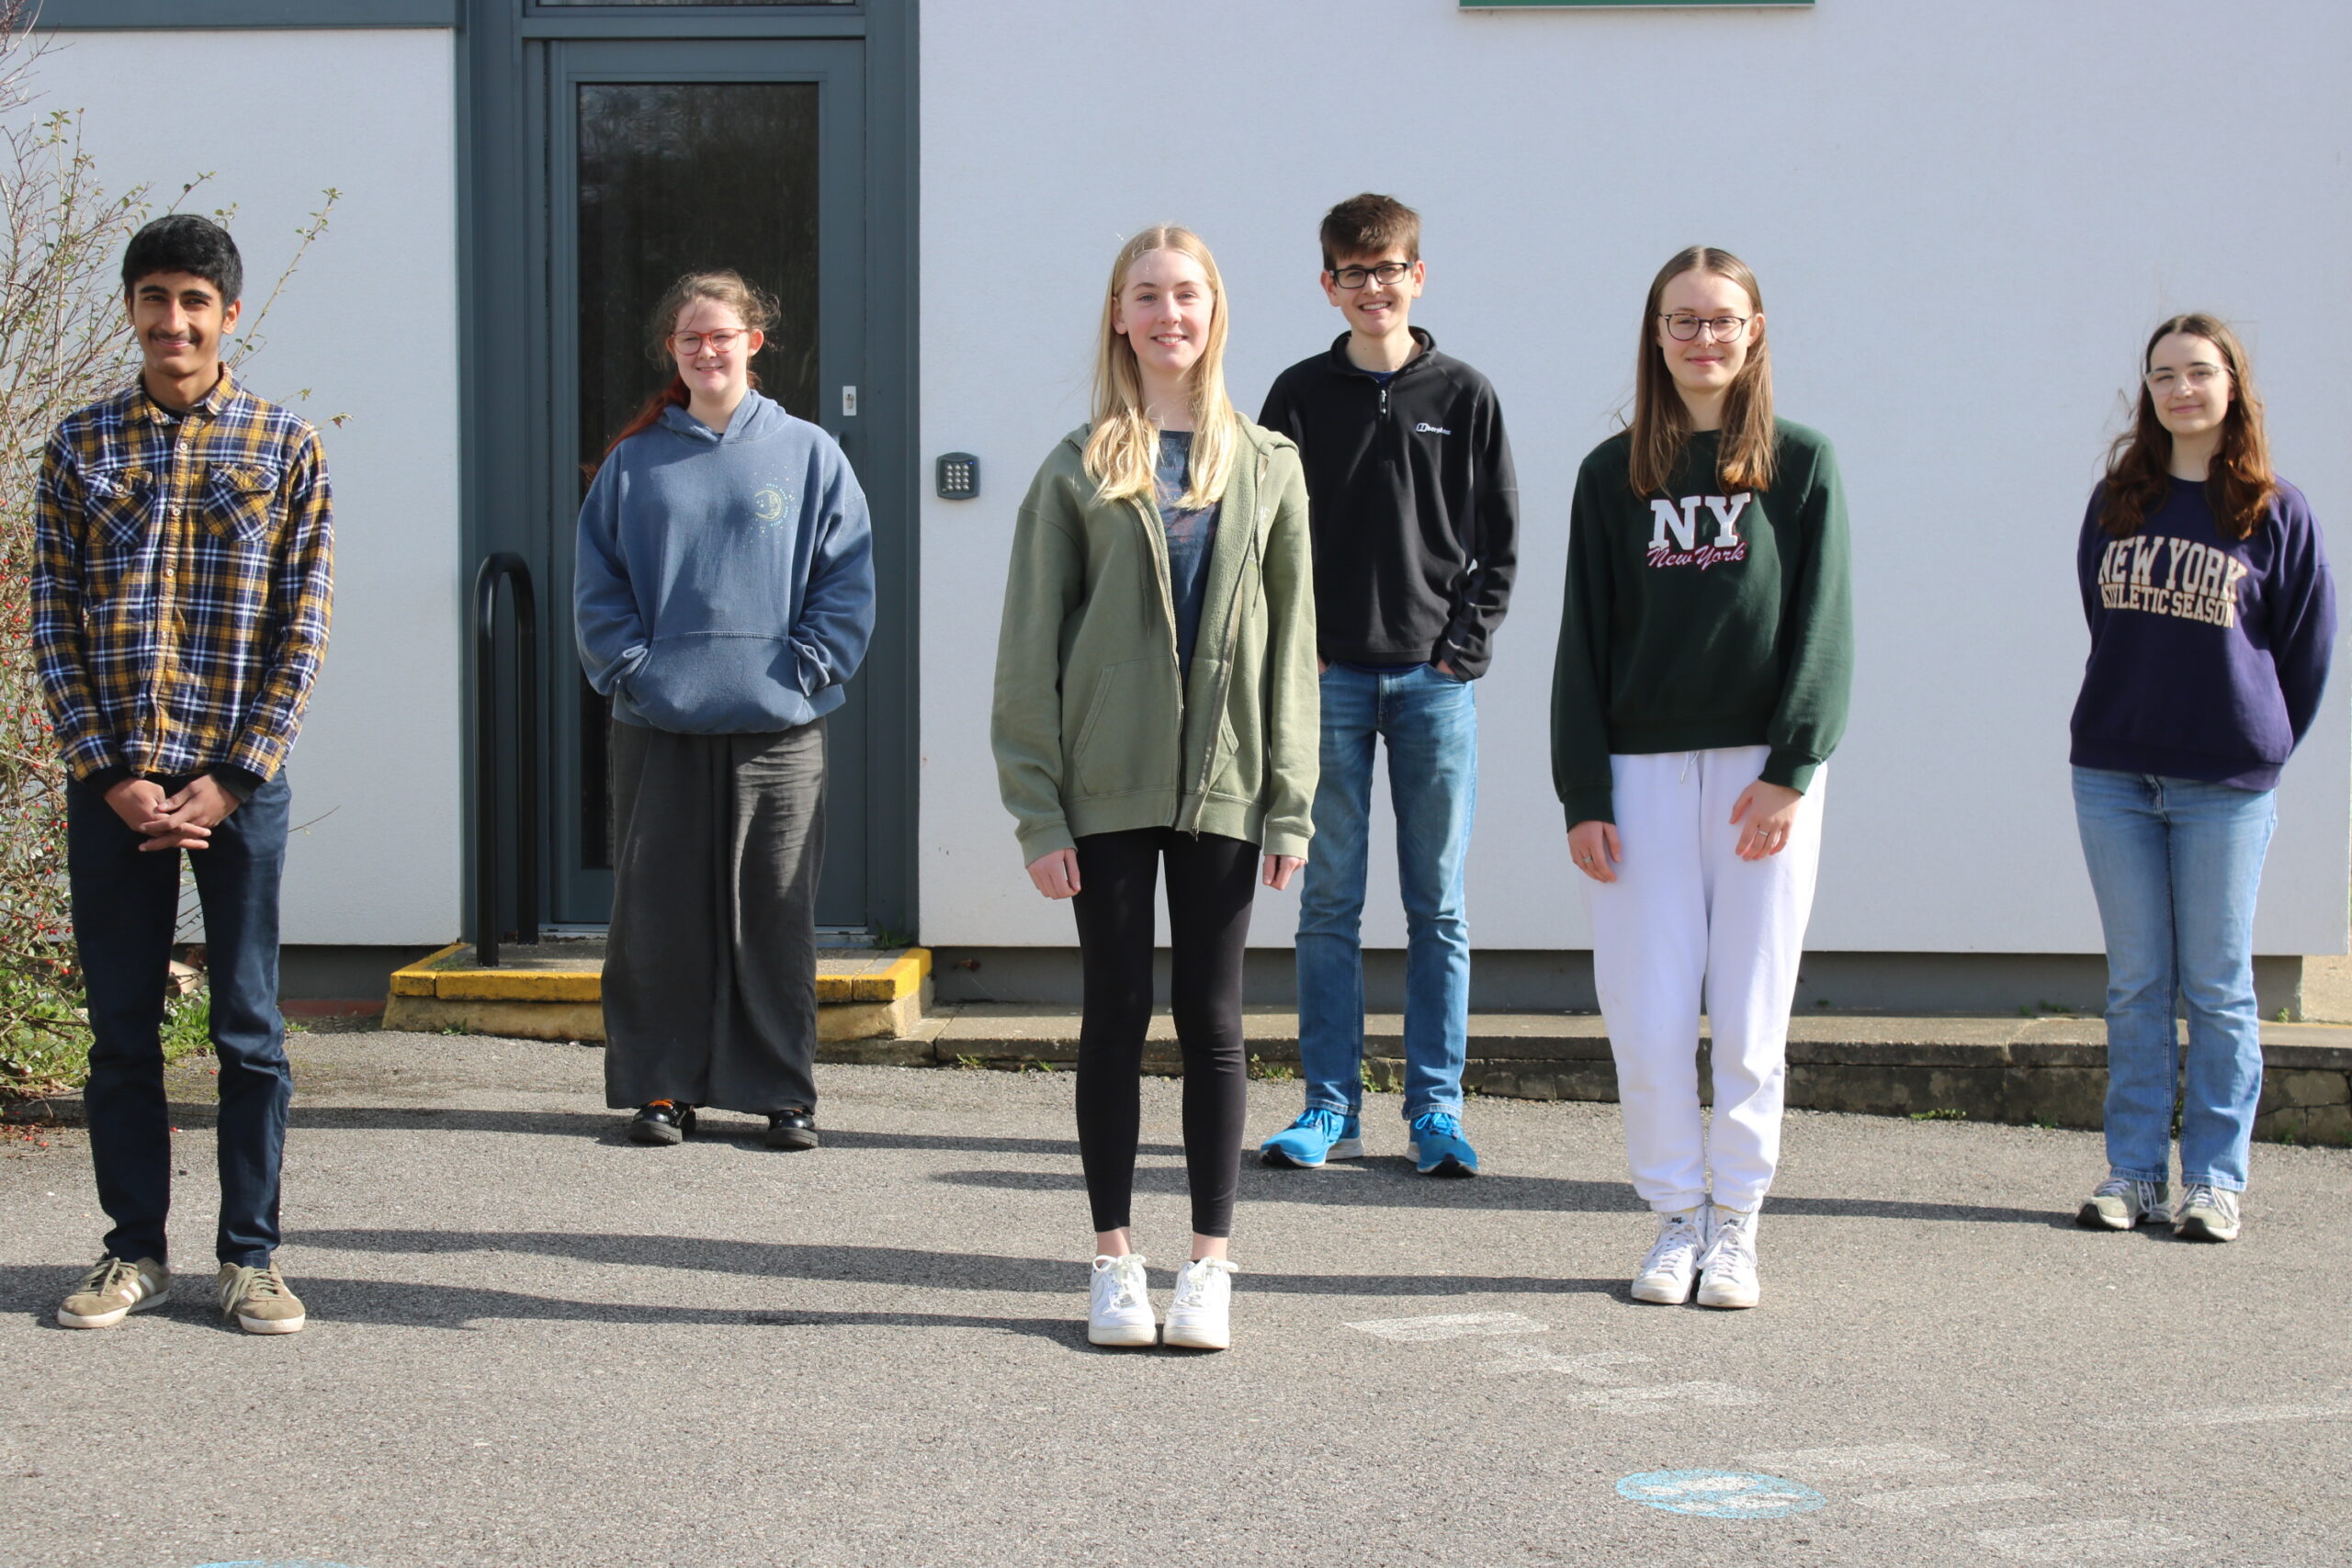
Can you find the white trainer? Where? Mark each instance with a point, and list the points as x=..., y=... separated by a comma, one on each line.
x=1118, y=1309
x=1727, y=1269
x=1200, y=1318
x=1672, y=1266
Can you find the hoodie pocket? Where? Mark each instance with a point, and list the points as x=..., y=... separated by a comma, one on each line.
x=718, y=683
x=1121, y=745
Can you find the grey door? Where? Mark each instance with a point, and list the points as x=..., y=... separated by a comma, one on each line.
x=663, y=158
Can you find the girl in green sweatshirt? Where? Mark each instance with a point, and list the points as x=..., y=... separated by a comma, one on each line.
x=1706, y=648
x=1157, y=705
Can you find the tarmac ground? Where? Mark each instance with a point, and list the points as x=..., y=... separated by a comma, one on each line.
x=532, y=1343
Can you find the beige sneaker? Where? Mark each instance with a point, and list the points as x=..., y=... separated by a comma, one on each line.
x=258, y=1300
x=113, y=1291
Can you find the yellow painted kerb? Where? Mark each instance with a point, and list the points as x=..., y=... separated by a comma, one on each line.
x=882, y=979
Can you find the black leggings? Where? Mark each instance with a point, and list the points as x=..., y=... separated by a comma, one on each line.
x=1210, y=883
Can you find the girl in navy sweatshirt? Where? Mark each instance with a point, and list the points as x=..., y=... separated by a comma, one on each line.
x=2213, y=617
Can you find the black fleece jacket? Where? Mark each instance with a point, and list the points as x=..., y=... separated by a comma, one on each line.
x=1412, y=504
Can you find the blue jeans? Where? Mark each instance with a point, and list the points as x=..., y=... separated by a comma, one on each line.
x=1431, y=723
x=126, y=904
x=2176, y=864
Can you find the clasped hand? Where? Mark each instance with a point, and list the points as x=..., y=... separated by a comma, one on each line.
x=181, y=821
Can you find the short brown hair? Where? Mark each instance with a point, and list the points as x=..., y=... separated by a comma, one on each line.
x=1368, y=225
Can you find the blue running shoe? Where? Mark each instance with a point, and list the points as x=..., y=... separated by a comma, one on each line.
x=1319, y=1134
x=1438, y=1147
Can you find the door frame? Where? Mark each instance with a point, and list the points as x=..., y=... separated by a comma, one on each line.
x=506, y=168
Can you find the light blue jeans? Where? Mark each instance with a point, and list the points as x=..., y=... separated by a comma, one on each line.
x=2176, y=864
x=1430, y=725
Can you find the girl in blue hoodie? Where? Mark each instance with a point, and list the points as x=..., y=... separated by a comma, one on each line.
x=724, y=597
x=2212, y=617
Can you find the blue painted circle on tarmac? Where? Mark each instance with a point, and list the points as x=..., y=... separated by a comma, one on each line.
x=1721, y=1494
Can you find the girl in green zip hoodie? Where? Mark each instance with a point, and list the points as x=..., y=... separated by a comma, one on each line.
x=1706, y=648
x=1155, y=704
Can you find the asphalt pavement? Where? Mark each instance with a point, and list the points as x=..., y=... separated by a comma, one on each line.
x=532, y=1343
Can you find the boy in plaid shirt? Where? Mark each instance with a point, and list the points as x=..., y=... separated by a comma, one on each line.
x=181, y=591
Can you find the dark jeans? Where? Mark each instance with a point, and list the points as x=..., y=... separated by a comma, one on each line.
x=126, y=904
x=1211, y=881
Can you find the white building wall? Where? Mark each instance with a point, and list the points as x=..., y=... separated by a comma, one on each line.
x=1964, y=218
x=370, y=326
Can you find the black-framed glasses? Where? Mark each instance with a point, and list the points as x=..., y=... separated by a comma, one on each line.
x=1684, y=327
x=1385, y=274
x=722, y=340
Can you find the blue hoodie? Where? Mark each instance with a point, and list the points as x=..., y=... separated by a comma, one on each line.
x=2208, y=654
x=725, y=581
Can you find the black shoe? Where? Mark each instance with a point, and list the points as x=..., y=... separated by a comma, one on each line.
x=793, y=1130
x=664, y=1122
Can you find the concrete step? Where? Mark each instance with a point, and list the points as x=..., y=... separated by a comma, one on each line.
x=554, y=990
x=2048, y=1070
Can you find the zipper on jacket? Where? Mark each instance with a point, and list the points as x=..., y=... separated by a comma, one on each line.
x=1232, y=635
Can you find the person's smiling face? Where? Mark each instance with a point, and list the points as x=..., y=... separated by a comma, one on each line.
x=1164, y=310
x=1373, y=307
x=714, y=349
x=179, y=320
x=2189, y=382
x=1711, y=358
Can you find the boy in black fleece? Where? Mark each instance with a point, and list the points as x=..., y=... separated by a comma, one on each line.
x=1415, y=518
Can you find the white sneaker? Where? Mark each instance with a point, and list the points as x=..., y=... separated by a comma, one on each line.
x=1118, y=1310
x=1200, y=1318
x=2119, y=1202
x=1672, y=1266
x=1727, y=1269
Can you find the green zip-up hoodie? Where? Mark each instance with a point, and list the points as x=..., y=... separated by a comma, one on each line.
x=1095, y=730
x=1695, y=620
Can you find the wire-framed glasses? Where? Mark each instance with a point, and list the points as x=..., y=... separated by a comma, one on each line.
x=2197, y=378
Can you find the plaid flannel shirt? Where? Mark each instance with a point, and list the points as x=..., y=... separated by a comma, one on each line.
x=182, y=584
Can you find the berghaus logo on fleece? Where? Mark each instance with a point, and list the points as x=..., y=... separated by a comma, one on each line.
x=1681, y=520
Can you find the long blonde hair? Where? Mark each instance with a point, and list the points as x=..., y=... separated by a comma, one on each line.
x=1744, y=459
x=1123, y=450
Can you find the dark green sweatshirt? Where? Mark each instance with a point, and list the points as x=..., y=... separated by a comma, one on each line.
x=1695, y=619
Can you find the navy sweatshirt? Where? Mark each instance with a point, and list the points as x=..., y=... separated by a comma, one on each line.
x=2208, y=655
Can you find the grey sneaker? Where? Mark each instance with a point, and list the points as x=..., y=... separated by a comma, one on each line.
x=2208, y=1213
x=113, y=1291
x=258, y=1300
x=2119, y=1202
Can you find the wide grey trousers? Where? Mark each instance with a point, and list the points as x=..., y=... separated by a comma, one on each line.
x=710, y=972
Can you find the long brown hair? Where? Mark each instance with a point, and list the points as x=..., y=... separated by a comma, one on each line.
x=1661, y=424
x=2239, y=485
x=1123, y=447
x=757, y=309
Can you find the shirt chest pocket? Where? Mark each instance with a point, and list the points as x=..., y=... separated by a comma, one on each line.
x=118, y=499
x=237, y=502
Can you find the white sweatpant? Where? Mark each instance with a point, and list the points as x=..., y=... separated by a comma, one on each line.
x=1686, y=923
